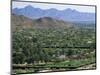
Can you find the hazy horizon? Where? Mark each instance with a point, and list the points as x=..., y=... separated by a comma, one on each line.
x=44, y=6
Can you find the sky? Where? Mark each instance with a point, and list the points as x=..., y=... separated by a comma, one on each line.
x=45, y=6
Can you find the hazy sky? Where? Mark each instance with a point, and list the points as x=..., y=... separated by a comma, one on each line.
x=56, y=6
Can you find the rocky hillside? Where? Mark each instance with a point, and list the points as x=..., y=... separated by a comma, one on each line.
x=19, y=21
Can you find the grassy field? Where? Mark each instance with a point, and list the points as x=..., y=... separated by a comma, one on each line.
x=61, y=66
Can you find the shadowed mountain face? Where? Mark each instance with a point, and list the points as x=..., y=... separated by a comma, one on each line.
x=19, y=21
x=66, y=15
x=47, y=22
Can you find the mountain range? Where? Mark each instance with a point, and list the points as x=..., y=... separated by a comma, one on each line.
x=22, y=22
x=66, y=15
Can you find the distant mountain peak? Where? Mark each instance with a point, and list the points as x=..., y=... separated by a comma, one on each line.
x=66, y=14
x=29, y=6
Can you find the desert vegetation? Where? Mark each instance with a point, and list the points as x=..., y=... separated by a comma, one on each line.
x=52, y=49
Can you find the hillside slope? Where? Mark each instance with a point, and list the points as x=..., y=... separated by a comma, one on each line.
x=19, y=21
